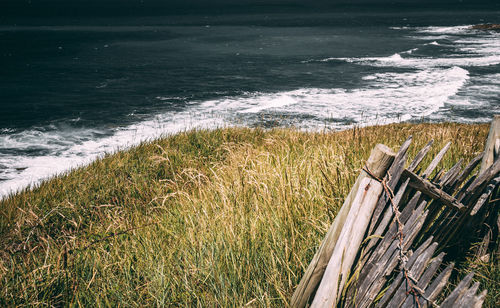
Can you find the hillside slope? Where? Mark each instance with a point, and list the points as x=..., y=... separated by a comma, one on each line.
x=223, y=217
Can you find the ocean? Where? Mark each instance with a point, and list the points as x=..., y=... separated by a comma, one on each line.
x=71, y=91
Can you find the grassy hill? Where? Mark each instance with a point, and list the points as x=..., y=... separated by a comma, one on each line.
x=225, y=217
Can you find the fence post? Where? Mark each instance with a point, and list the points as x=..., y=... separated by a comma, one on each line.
x=378, y=163
x=491, y=150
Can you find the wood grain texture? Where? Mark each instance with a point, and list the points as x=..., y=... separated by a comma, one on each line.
x=348, y=244
x=379, y=161
x=491, y=147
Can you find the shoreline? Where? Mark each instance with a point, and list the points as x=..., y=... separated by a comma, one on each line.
x=68, y=165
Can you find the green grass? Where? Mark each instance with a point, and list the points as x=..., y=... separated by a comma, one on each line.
x=224, y=217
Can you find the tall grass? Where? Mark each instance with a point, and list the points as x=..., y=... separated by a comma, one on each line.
x=227, y=217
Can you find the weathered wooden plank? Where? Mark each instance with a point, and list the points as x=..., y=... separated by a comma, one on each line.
x=420, y=156
x=348, y=244
x=423, y=281
x=458, y=291
x=370, y=273
x=386, y=219
x=460, y=194
x=450, y=176
x=432, y=292
x=394, y=287
x=414, y=270
x=436, y=160
x=387, y=246
x=410, y=230
x=390, y=291
x=394, y=173
x=491, y=147
x=430, y=271
x=465, y=224
x=467, y=170
x=392, y=263
x=432, y=190
x=437, y=177
x=443, y=220
x=480, y=299
x=485, y=195
x=379, y=161
x=447, y=184
x=392, y=179
x=468, y=299
x=435, y=219
x=376, y=236
x=482, y=248
x=408, y=217
x=473, y=190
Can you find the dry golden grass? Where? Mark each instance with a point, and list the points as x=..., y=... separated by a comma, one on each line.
x=226, y=217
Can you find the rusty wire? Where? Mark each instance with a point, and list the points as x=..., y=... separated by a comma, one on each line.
x=403, y=258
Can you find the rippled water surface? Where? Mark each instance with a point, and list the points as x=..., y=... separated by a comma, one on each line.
x=71, y=92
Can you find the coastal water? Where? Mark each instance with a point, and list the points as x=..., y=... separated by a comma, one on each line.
x=73, y=90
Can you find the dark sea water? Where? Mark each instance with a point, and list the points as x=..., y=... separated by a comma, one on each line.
x=73, y=90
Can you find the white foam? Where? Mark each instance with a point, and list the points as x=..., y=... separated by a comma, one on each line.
x=430, y=37
x=477, y=49
x=381, y=98
x=444, y=30
x=270, y=101
x=463, y=38
x=397, y=60
x=386, y=97
x=485, y=45
x=479, y=93
x=410, y=51
x=67, y=153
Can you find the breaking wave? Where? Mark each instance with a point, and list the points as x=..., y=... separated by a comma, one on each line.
x=408, y=85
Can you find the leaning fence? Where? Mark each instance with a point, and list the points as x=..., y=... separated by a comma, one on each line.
x=402, y=228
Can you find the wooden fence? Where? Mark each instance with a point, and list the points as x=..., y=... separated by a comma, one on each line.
x=398, y=227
